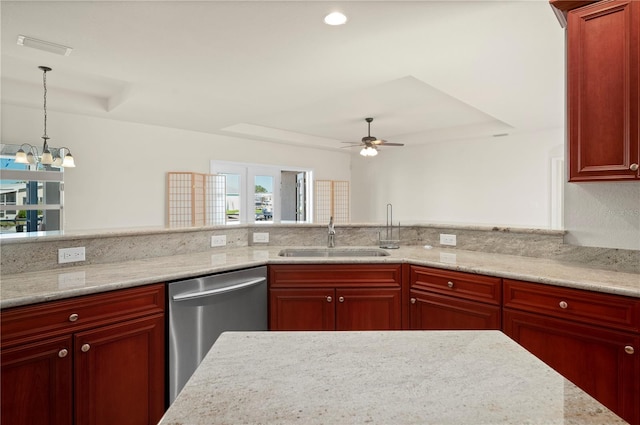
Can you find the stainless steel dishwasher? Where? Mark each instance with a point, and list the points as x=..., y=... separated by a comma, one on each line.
x=201, y=309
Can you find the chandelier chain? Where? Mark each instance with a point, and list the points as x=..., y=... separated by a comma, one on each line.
x=44, y=83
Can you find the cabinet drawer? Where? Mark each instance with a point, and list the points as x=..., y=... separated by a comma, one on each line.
x=596, y=308
x=334, y=275
x=430, y=311
x=22, y=324
x=469, y=286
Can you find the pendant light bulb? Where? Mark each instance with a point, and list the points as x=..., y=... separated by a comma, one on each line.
x=21, y=157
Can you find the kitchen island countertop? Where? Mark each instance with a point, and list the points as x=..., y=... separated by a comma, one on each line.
x=418, y=377
x=34, y=287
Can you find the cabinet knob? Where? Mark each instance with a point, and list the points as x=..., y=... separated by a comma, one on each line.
x=563, y=304
x=629, y=349
x=633, y=167
x=73, y=317
x=328, y=299
x=341, y=299
x=413, y=300
x=85, y=348
x=450, y=284
x=63, y=353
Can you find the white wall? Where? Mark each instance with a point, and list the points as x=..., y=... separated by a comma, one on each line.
x=120, y=178
x=119, y=181
x=488, y=181
x=603, y=214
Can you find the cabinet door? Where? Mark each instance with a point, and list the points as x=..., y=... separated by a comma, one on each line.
x=437, y=312
x=602, y=76
x=37, y=383
x=605, y=364
x=368, y=309
x=119, y=373
x=302, y=309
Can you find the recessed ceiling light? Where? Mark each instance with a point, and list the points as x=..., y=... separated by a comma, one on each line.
x=335, y=18
x=47, y=46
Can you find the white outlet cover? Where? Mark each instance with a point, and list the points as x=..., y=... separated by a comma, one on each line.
x=261, y=237
x=71, y=255
x=218, y=240
x=446, y=239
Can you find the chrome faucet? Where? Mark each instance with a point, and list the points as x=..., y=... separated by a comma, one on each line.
x=331, y=238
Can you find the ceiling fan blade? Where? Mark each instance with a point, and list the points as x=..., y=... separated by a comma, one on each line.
x=351, y=145
x=391, y=144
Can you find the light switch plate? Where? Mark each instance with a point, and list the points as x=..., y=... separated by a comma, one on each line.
x=446, y=239
x=261, y=237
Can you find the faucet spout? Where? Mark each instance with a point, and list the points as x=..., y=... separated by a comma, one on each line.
x=331, y=237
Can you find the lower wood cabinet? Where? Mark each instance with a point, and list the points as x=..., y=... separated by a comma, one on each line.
x=590, y=338
x=96, y=359
x=450, y=300
x=335, y=297
x=37, y=383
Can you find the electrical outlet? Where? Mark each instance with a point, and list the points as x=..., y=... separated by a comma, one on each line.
x=261, y=237
x=447, y=239
x=71, y=255
x=218, y=240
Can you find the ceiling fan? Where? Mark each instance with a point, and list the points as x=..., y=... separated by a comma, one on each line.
x=370, y=144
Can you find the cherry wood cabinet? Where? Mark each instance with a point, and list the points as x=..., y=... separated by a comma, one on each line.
x=36, y=383
x=302, y=309
x=449, y=300
x=96, y=359
x=335, y=297
x=603, y=73
x=590, y=338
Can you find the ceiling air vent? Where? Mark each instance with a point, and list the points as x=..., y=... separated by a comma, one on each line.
x=47, y=46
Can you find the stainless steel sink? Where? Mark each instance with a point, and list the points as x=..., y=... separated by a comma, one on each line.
x=333, y=252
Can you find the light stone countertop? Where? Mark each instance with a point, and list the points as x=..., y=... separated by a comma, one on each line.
x=416, y=377
x=33, y=287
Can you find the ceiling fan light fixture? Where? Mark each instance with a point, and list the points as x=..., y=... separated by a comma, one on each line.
x=369, y=151
x=335, y=18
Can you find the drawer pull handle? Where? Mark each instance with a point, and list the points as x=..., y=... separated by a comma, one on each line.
x=63, y=353
x=85, y=348
x=563, y=304
x=73, y=317
x=629, y=349
x=341, y=299
x=633, y=167
x=450, y=284
x=328, y=299
x=413, y=300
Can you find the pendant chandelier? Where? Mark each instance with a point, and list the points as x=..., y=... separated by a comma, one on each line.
x=50, y=156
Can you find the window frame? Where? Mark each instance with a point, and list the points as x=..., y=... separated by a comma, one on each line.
x=248, y=172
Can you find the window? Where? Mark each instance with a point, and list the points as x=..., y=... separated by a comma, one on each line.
x=265, y=194
x=30, y=200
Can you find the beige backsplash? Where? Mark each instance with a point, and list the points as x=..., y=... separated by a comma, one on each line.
x=34, y=254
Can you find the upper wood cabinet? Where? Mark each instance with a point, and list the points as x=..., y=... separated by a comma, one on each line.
x=603, y=69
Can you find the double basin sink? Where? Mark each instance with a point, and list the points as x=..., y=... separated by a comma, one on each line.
x=333, y=252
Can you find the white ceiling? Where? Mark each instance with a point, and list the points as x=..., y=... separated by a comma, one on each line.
x=272, y=70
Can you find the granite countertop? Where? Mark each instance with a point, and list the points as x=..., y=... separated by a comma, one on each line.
x=417, y=377
x=33, y=287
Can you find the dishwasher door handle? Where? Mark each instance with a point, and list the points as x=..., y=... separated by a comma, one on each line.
x=218, y=291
